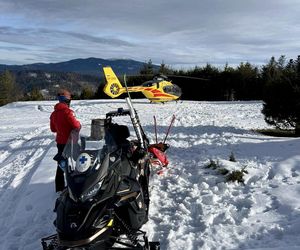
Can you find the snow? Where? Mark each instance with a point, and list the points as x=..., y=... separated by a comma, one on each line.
x=192, y=207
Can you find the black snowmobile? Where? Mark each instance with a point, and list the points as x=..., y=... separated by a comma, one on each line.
x=106, y=201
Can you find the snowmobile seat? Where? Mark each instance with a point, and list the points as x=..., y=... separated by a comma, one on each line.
x=120, y=134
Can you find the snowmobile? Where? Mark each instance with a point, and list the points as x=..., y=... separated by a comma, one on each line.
x=106, y=201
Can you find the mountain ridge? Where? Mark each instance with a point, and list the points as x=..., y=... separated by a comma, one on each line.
x=87, y=66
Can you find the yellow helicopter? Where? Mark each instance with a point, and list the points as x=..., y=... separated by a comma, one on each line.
x=157, y=90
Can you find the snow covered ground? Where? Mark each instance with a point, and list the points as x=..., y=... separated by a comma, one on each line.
x=192, y=207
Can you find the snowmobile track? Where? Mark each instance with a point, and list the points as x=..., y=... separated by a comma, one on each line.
x=17, y=169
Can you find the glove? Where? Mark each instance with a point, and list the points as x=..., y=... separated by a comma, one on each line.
x=63, y=164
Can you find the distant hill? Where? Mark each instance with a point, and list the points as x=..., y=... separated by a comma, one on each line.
x=75, y=74
x=88, y=66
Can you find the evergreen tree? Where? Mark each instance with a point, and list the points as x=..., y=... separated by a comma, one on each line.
x=147, y=68
x=8, y=89
x=87, y=93
x=35, y=95
x=99, y=94
x=249, y=86
x=164, y=69
x=282, y=93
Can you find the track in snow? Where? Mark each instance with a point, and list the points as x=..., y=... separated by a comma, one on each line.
x=191, y=206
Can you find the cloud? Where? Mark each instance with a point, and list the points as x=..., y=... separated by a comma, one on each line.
x=178, y=32
x=29, y=36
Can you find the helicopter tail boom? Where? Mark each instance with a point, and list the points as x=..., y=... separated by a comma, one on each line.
x=113, y=87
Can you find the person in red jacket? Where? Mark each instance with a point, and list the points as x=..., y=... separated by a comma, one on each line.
x=62, y=122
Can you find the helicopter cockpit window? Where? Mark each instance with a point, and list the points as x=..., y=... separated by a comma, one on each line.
x=172, y=90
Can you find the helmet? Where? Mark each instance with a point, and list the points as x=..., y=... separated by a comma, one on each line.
x=64, y=95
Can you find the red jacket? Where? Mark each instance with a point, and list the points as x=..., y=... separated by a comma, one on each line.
x=63, y=121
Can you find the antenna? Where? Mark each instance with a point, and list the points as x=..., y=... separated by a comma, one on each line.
x=135, y=119
x=125, y=83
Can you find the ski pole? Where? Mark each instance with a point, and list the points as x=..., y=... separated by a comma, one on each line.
x=155, y=128
x=172, y=121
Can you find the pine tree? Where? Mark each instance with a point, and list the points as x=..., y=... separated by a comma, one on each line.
x=87, y=93
x=282, y=93
x=164, y=69
x=147, y=68
x=8, y=88
x=249, y=85
x=35, y=95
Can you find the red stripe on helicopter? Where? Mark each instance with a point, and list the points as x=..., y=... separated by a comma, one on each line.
x=161, y=95
x=155, y=91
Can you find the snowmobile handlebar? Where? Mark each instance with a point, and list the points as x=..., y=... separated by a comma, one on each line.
x=119, y=112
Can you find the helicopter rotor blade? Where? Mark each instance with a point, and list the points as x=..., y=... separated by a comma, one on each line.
x=166, y=76
x=189, y=77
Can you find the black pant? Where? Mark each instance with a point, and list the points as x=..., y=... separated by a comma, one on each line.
x=59, y=177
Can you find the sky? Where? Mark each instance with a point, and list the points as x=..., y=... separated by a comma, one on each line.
x=178, y=33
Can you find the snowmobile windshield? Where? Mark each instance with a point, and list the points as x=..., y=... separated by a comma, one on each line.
x=88, y=161
x=84, y=152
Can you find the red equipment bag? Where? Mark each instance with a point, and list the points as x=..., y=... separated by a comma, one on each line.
x=159, y=155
